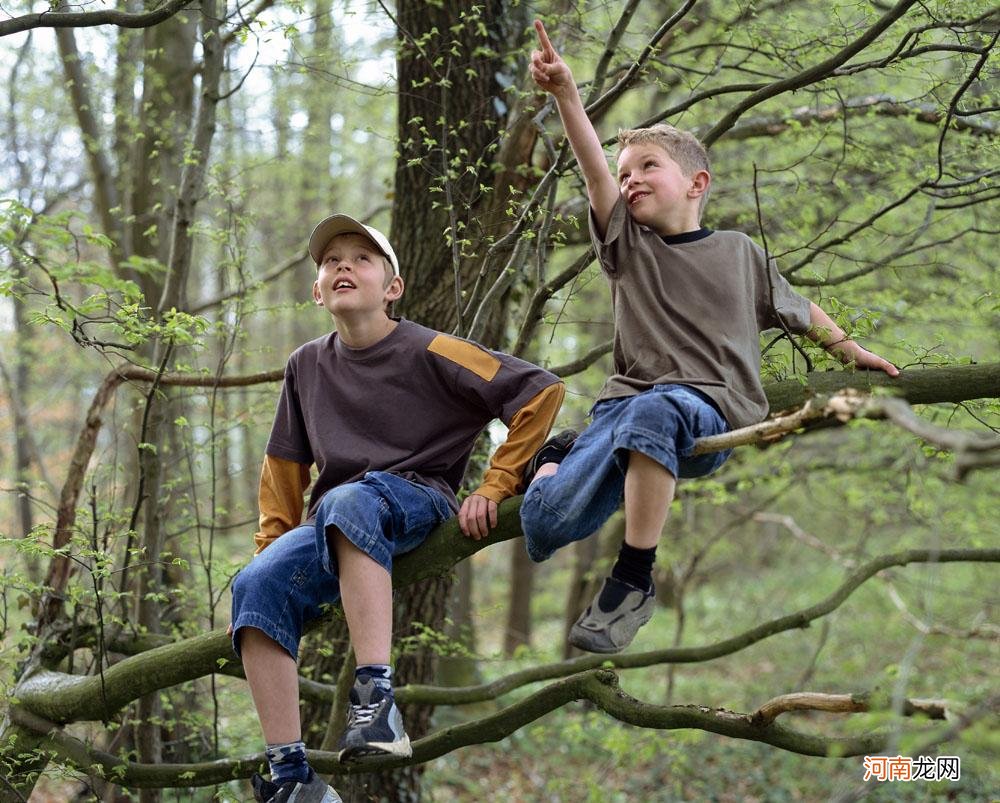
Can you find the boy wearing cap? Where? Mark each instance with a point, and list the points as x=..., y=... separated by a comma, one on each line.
x=389, y=412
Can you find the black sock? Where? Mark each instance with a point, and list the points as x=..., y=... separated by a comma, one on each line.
x=635, y=566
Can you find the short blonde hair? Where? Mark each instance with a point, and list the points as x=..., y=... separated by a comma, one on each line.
x=681, y=146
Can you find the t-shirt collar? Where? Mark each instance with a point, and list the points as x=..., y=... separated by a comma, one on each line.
x=686, y=237
x=373, y=350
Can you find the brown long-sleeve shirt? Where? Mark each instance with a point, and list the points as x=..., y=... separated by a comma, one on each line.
x=412, y=404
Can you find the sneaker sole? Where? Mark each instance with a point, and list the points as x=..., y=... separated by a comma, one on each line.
x=595, y=641
x=373, y=751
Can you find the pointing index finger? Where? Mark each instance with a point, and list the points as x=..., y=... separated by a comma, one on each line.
x=543, y=39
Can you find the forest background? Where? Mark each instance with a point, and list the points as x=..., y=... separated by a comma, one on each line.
x=163, y=166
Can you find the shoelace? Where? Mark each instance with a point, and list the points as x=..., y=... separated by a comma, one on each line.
x=362, y=714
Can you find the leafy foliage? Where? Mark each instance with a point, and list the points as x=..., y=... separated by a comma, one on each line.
x=872, y=181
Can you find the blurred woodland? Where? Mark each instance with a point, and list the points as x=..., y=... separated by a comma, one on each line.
x=831, y=593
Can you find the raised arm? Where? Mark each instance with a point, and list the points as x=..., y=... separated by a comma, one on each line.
x=825, y=331
x=553, y=75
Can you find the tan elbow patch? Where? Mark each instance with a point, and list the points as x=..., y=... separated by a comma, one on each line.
x=480, y=362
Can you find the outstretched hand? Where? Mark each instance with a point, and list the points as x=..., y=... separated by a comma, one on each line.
x=548, y=70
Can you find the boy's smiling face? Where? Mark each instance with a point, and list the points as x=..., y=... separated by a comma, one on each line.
x=658, y=193
x=353, y=278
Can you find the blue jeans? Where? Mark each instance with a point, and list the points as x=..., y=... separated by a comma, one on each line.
x=291, y=581
x=661, y=423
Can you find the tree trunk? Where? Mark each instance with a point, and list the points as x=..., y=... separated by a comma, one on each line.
x=17, y=392
x=460, y=670
x=460, y=108
x=522, y=578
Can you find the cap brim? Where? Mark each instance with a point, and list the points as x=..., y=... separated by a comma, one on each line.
x=330, y=227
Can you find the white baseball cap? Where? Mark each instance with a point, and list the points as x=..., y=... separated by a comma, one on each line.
x=330, y=227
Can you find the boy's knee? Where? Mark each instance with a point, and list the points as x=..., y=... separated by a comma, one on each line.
x=533, y=512
x=541, y=526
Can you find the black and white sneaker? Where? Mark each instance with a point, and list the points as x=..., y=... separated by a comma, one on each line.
x=374, y=725
x=312, y=790
x=554, y=450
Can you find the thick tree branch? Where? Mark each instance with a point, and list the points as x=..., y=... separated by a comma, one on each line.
x=89, y=19
x=952, y=384
x=598, y=686
x=843, y=704
x=881, y=105
x=63, y=698
x=924, y=386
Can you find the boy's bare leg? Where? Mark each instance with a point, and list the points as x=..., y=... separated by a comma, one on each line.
x=625, y=601
x=274, y=685
x=649, y=491
x=374, y=722
x=366, y=595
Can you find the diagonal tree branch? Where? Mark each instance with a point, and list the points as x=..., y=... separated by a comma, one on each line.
x=811, y=75
x=881, y=105
x=89, y=19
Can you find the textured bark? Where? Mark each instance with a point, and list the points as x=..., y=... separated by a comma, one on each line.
x=953, y=383
x=460, y=89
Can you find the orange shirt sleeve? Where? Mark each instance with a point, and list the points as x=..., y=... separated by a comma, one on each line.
x=282, y=484
x=528, y=430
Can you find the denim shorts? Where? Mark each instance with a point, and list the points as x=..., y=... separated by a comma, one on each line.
x=661, y=423
x=291, y=581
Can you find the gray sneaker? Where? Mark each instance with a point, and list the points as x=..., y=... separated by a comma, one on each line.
x=313, y=790
x=612, y=631
x=374, y=725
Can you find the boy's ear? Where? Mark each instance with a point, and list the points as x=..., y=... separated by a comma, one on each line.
x=700, y=182
x=316, y=296
x=395, y=289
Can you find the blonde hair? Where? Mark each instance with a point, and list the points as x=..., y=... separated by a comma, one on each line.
x=681, y=146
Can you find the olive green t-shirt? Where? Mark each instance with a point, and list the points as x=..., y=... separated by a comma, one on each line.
x=689, y=310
